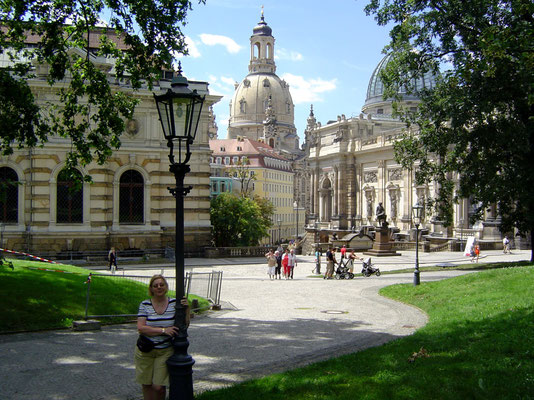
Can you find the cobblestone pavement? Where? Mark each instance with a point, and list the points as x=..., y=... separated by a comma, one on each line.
x=265, y=326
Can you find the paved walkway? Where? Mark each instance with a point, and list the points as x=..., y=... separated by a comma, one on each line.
x=265, y=327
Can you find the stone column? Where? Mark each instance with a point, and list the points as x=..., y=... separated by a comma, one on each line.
x=335, y=189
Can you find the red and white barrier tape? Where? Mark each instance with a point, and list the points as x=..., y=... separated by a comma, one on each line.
x=28, y=255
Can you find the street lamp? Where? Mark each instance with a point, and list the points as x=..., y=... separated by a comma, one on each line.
x=279, y=234
x=417, y=213
x=179, y=112
x=296, y=207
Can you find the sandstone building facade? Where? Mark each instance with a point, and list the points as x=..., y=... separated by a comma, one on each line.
x=128, y=205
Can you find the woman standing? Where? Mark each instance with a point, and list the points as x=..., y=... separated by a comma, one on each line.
x=271, y=264
x=278, y=269
x=155, y=321
x=285, y=264
x=112, y=258
x=352, y=257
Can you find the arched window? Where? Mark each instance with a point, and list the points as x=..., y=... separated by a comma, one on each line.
x=271, y=142
x=269, y=51
x=257, y=50
x=69, y=200
x=131, y=198
x=9, y=195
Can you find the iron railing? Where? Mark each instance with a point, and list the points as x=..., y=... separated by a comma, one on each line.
x=203, y=284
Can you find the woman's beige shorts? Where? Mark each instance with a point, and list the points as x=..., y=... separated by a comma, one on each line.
x=150, y=368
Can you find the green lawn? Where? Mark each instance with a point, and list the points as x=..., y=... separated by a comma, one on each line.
x=33, y=299
x=479, y=341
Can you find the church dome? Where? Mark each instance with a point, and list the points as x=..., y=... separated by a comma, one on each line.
x=375, y=90
x=251, y=97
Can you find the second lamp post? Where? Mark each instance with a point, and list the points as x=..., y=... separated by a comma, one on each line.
x=417, y=213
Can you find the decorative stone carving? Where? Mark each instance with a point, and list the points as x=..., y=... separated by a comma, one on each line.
x=370, y=177
x=395, y=174
x=132, y=127
x=369, y=200
x=393, y=197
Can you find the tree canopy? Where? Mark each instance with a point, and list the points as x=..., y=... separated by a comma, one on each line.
x=239, y=220
x=475, y=130
x=140, y=37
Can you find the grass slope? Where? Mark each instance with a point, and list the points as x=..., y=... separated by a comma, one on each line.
x=478, y=344
x=34, y=299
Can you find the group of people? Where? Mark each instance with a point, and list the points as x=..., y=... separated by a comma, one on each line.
x=345, y=259
x=281, y=262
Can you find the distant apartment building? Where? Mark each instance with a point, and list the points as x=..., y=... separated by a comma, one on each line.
x=253, y=168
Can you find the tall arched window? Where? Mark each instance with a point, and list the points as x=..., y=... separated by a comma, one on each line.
x=69, y=204
x=269, y=49
x=131, y=197
x=9, y=195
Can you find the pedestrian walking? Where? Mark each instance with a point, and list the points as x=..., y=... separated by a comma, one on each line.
x=278, y=268
x=318, y=261
x=506, y=245
x=343, y=251
x=155, y=323
x=477, y=251
x=330, y=261
x=271, y=264
x=350, y=262
x=285, y=264
x=112, y=258
x=292, y=262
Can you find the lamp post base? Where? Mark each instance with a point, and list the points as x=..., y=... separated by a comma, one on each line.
x=180, y=366
x=416, y=280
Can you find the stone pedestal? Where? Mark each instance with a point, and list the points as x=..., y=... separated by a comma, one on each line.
x=382, y=245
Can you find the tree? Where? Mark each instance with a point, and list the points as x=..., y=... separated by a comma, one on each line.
x=244, y=175
x=238, y=220
x=267, y=210
x=141, y=37
x=475, y=130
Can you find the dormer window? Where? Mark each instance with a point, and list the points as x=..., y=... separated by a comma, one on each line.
x=239, y=148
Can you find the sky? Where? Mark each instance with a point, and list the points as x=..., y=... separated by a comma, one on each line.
x=325, y=50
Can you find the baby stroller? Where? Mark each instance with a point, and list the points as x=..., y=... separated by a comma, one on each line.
x=342, y=271
x=368, y=269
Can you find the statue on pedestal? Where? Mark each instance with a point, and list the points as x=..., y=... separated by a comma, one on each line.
x=381, y=216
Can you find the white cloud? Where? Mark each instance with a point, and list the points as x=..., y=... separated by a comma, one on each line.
x=228, y=81
x=193, y=51
x=213, y=40
x=221, y=86
x=283, y=54
x=192, y=47
x=308, y=90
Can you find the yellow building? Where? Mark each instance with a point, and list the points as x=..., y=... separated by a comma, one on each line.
x=272, y=178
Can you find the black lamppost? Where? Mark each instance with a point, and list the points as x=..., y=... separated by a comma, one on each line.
x=179, y=112
x=279, y=234
x=417, y=213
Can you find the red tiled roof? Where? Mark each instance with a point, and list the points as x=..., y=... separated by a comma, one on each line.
x=249, y=147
